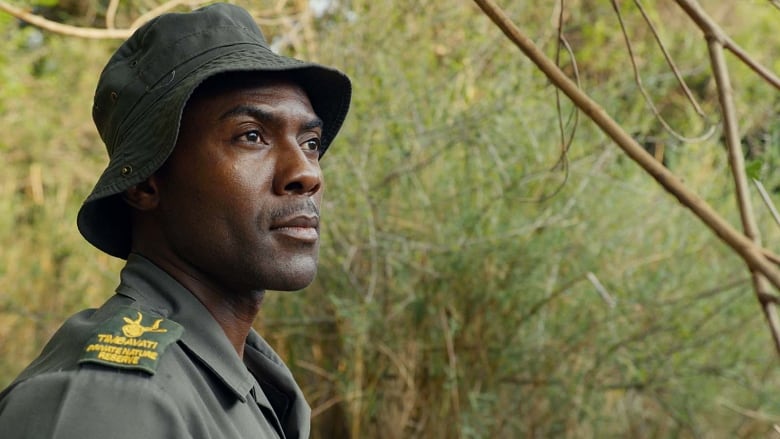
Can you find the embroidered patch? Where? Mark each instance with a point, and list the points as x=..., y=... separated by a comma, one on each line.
x=124, y=341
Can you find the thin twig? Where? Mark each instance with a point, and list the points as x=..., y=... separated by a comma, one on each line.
x=601, y=290
x=767, y=201
x=760, y=70
x=669, y=61
x=317, y=370
x=752, y=414
x=712, y=31
x=771, y=256
x=163, y=8
x=111, y=14
x=648, y=99
x=563, y=160
x=93, y=32
x=320, y=409
x=64, y=29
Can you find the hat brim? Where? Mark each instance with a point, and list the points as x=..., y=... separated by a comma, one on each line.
x=105, y=219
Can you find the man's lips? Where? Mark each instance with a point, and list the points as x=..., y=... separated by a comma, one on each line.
x=303, y=227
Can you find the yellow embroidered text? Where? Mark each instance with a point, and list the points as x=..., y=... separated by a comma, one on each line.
x=121, y=355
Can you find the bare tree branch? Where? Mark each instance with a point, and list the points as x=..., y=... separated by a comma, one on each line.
x=751, y=253
x=737, y=163
x=771, y=257
x=712, y=31
x=111, y=14
x=163, y=8
x=93, y=32
x=669, y=60
x=563, y=159
x=64, y=29
x=767, y=201
x=638, y=79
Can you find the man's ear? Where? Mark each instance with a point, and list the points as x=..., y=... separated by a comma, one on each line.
x=144, y=195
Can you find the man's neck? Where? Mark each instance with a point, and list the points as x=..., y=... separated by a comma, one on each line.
x=234, y=311
x=234, y=316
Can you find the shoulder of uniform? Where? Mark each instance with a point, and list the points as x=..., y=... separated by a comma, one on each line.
x=132, y=339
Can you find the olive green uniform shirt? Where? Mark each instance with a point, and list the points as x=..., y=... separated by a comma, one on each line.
x=152, y=363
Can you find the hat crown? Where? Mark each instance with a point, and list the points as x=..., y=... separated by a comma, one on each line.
x=151, y=56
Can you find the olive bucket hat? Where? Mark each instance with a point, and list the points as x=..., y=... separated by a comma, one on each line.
x=144, y=88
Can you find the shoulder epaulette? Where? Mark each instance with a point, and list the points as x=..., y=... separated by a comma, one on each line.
x=125, y=341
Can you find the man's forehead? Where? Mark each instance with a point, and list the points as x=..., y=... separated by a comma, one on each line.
x=275, y=104
x=264, y=100
x=245, y=82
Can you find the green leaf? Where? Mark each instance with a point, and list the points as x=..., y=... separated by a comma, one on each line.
x=753, y=169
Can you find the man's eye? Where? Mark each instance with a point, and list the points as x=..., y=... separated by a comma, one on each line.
x=253, y=137
x=312, y=144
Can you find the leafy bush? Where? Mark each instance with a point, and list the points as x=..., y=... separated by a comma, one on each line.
x=471, y=284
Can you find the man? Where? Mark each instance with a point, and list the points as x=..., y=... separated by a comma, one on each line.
x=212, y=195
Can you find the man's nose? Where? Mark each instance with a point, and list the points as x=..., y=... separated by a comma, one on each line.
x=297, y=173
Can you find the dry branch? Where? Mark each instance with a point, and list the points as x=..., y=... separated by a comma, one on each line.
x=710, y=130
x=713, y=32
x=64, y=29
x=767, y=201
x=750, y=252
x=111, y=14
x=605, y=296
x=163, y=8
x=93, y=32
x=737, y=163
x=566, y=142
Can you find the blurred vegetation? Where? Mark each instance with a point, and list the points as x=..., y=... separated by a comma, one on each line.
x=469, y=287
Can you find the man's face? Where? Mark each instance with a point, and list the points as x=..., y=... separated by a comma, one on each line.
x=240, y=195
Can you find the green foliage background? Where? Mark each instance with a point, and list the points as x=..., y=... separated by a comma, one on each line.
x=454, y=298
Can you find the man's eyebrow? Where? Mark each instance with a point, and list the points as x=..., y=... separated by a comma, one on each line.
x=314, y=123
x=250, y=110
x=267, y=116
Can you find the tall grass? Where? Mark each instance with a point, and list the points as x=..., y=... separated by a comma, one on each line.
x=468, y=286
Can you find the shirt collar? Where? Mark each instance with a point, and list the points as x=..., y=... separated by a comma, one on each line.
x=152, y=287
x=279, y=387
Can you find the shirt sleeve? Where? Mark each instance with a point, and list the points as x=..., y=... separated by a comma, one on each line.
x=89, y=404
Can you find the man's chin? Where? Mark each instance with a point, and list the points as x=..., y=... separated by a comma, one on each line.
x=292, y=280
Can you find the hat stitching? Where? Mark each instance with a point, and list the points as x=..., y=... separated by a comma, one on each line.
x=152, y=58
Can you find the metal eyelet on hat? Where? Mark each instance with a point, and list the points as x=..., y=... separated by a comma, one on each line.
x=126, y=170
x=114, y=96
